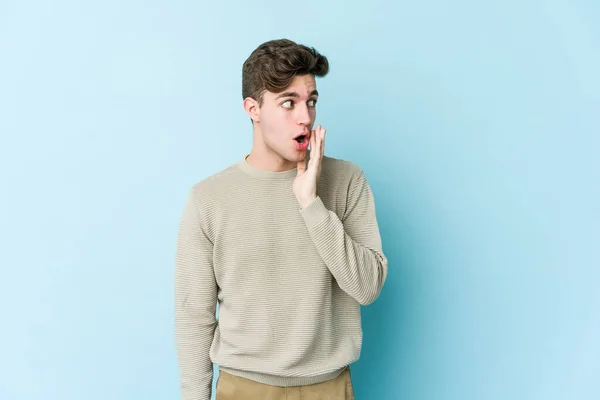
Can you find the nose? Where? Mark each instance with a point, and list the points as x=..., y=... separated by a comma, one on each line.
x=304, y=116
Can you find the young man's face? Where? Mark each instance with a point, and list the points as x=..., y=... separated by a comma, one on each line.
x=284, y=116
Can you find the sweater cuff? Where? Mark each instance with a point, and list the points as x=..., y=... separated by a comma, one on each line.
x=315, y=213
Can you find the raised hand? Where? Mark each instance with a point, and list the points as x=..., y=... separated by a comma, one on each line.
x=305, y=183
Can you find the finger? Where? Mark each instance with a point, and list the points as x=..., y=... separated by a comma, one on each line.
x=315, y=159
x=321, y=141
x=318, y=142
x=314, y=146
x=323, y=131
x=301, y=167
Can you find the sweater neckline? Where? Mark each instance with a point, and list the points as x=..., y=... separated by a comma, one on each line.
x=260, y=173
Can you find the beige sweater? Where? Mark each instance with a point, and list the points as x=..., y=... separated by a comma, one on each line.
x=289, y=282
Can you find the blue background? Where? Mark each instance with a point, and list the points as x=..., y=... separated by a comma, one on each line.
x=476, y=122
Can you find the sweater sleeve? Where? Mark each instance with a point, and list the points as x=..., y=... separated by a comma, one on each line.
x=351, y=247
x=195, y=305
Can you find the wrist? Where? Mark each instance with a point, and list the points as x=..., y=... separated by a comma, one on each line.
x=305, y=202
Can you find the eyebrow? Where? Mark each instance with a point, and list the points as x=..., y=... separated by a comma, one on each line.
x=296, y=95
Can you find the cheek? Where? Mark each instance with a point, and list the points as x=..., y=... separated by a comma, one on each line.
x=278, y=120
x=275, y=126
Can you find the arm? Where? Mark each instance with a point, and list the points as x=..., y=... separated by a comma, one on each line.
x=195, y=305
x=351, y=248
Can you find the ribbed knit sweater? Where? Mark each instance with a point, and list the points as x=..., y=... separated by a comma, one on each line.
x=289, y=282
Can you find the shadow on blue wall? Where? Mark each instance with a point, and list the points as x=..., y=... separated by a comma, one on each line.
x=390, y=323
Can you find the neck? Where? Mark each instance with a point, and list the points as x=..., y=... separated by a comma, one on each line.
x=263, y=158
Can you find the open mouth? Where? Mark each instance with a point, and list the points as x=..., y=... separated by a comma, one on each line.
x=300, y=139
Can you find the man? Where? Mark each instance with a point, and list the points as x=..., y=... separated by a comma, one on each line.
x=287, y=241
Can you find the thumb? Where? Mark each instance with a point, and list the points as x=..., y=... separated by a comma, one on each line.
x=301, y=166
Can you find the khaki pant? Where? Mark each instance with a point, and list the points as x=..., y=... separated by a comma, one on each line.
x=230, y=387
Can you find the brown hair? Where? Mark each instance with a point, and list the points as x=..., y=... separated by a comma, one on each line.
x=273, y=65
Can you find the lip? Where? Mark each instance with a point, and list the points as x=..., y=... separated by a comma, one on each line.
x=307, y=134
x=304, y=145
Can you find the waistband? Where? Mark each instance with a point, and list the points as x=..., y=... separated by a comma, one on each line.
x=284, y=381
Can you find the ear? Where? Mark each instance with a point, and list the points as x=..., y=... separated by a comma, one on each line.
x=252, y=109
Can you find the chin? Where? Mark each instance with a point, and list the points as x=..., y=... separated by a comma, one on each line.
x=298, y=156
x=292, y=156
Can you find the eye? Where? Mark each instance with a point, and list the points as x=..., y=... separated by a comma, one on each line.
x=287, y=104
x=312, y=102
